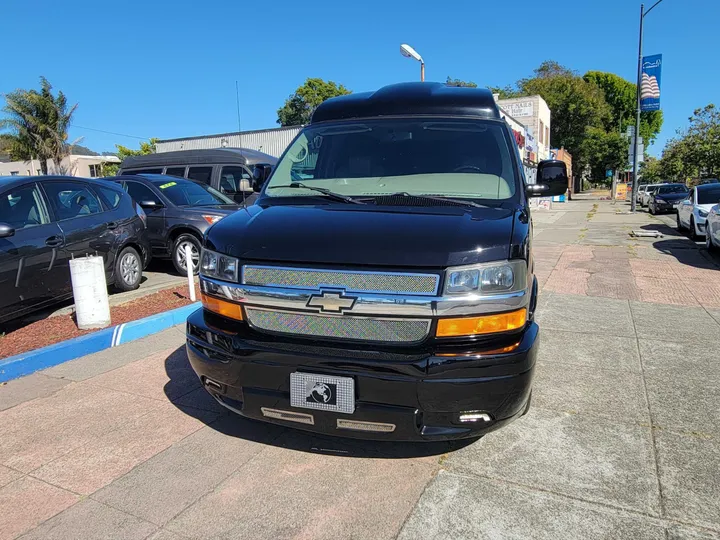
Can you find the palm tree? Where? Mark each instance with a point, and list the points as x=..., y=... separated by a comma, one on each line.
x=37, y=123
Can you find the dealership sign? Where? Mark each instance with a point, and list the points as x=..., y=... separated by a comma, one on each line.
x=650, y=84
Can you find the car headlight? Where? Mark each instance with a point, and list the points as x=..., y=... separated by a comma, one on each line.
x=702, y=213
x=488, y=278
x=217, y=265
x=659, y=200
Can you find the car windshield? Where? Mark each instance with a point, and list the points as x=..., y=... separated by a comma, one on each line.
x=442, y=158
x=709, y=195
x=186, y=193
x=664, y=190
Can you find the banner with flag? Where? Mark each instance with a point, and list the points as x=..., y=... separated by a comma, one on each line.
x=650, y=84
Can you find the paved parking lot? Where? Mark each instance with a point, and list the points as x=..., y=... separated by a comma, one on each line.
x=622, y=441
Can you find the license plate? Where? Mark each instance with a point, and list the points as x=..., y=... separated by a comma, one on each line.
x=323, y=392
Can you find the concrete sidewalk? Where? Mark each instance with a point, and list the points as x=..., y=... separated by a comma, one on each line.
x=622, y=441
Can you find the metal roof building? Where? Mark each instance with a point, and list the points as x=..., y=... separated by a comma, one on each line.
x=270, y=141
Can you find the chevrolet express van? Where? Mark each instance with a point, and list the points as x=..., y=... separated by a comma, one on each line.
x=382, y=284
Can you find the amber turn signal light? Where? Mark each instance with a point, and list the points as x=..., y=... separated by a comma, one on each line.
x=485, y=324
x=222, y=307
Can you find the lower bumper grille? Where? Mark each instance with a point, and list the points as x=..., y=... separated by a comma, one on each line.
x=378, y=330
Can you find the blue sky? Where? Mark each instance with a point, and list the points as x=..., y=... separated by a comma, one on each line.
x=168, y=69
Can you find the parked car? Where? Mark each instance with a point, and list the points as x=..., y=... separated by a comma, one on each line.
x=641, y=189
x=382, y=286
x=712, y=229
x=228, y=170
x=665, y=198
x=645, y=195
x=179, y=211
x=692, y=212
x=45, y=221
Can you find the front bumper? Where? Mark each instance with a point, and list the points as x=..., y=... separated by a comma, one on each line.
x=421, y=393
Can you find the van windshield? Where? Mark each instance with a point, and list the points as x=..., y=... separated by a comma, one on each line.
x=444, y=158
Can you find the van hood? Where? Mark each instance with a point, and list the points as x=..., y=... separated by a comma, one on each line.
x=396, y=236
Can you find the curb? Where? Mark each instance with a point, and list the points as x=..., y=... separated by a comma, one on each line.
x=52, y=355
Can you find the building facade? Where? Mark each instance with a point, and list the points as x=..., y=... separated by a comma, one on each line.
x=73, y=165
x=272, y=141
x=533, y=112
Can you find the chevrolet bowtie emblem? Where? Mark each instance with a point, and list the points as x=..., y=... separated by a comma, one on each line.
x=331, y=302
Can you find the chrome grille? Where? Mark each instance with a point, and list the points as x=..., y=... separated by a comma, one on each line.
x=350, y=328
x=307, y=278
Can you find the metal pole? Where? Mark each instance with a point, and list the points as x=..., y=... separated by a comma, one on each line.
x=637, y=115
x=422, y=71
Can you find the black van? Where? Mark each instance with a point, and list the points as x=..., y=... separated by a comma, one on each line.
x=228, y=170
x=382, y=285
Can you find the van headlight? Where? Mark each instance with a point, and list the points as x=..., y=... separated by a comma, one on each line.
x=219, y=266
x=487, y=278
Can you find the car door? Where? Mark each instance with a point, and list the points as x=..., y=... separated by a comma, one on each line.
x=235, y=182
x=685, y=209
x=82, y=219
x=156, y=218
x=30, y=270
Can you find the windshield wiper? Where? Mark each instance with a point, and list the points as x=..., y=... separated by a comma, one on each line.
x=459, y=202
x=330, y=194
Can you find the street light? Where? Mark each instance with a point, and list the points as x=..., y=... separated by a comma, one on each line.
x=643, y=13
x=408, y=52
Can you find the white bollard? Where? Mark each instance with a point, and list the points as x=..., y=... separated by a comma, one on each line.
x=189, y=266
x=92, y=309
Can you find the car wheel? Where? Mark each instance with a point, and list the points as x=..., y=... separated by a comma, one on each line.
x=693, y=232
x=679, y=223
x=128, y=270
x=651, y=209
x=178, y=254
x=708, y=240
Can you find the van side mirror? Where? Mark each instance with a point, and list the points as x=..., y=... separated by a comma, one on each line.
x=261, y=172
x=6, y=230
x=552, y=179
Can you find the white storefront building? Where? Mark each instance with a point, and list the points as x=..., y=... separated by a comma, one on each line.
x=533, y=112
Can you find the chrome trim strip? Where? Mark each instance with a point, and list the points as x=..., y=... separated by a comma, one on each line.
x=370, y=304
x=436, y=277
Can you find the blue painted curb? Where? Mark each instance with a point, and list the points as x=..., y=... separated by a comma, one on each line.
x=52, y=355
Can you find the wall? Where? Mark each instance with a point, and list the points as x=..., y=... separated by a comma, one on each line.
x=271, y=141
x=531, y=111
x=72, y=165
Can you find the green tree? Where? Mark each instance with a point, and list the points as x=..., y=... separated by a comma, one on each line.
x=505, y=92
x=651, y=171
x=111, y=169
x=702, y=140
x=621, y=96
x=36, y=123
x=576, y=105
x=299, y=106
x=458, y=82
x=604, y=150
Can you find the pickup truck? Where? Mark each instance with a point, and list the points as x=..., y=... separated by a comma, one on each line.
x=382, y=284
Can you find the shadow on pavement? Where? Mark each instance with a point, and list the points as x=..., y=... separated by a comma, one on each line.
x=186, y=393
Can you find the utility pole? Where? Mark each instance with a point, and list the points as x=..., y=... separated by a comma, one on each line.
x=637, y=115
x=636, y=139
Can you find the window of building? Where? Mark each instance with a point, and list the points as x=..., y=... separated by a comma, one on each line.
x=200, y=174
x=22, y=207
x=547, y=135
x=14, y=173
x=71, y=199
x=542, y=131
x=96, y=171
